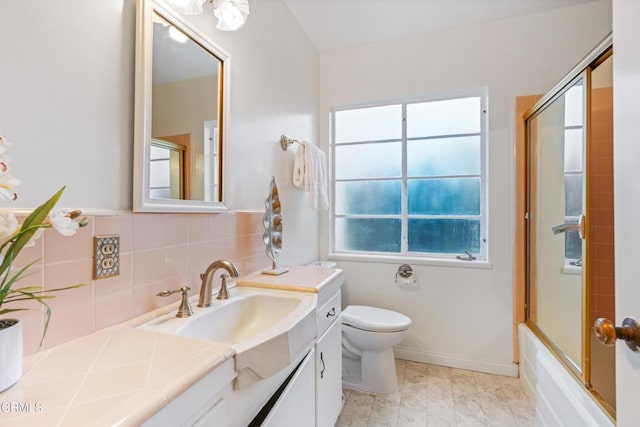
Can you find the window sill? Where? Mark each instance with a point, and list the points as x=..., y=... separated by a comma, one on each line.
x=391, y=259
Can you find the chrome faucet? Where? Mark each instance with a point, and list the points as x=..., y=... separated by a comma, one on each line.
x=207, y=276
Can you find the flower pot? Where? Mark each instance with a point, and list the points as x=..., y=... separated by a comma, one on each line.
x=10, y=352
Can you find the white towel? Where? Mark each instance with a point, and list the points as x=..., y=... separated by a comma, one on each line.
x=298, y=168
x=310, y=173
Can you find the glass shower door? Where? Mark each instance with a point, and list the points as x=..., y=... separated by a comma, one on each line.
x=556, y=207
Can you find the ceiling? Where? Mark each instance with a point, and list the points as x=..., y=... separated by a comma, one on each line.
x=340, y=24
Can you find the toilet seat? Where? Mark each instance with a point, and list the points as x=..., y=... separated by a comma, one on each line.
x=374, y=319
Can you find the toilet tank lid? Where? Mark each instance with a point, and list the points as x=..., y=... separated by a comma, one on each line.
x=325, y=264
x=374, y=319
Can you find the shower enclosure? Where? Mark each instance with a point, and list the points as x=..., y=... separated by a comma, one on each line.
x=568, y=205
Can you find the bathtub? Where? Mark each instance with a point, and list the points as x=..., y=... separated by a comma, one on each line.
x=560, y=399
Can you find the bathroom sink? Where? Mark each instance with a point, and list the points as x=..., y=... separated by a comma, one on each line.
x=267, y=329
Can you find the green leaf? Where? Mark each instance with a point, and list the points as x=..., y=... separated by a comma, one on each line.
x=11, y=310
x=8, y=281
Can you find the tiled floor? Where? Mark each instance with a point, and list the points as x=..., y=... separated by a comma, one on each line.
x=430, y=395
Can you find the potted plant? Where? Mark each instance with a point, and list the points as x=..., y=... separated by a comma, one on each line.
x=14, y=237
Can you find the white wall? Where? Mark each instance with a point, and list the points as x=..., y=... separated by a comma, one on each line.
x=66, y=91
x=461, y=316
x=66, y=101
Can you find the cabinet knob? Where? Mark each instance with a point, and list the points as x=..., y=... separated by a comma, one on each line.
x=322, y=369
x=607, y=333
x=332, y=312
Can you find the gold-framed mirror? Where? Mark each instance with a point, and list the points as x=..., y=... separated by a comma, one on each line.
x=180, y=114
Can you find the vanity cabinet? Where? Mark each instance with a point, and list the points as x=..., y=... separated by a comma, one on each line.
x=313, y=397
x=326, y=357
x=328, y=349
x=296, y=406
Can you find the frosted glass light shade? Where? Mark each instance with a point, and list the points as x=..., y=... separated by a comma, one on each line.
x=188, y=7
x=231, y=14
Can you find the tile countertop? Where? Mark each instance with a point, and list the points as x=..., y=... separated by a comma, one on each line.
x=300, y=279
x=116, y=376
x=123, y=375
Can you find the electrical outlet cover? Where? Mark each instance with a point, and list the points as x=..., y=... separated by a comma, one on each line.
x=106, y=256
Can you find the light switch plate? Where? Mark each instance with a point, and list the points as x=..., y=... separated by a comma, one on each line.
x=106, y=256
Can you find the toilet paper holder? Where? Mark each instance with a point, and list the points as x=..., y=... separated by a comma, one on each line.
x=405, y=278
x=405, y=271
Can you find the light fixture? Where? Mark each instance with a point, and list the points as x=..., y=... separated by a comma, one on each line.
x=188, y=7
x=231, y=14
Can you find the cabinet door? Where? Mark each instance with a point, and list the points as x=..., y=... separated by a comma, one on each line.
x=295, y=407
x=329, y=376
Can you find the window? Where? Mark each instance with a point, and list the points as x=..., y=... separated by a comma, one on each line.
x=409, y=178
x=573, y=171
x=166, y=169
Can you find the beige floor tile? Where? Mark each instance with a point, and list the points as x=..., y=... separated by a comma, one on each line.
x=408, y=417
x=489, y=386
x=513, y=390
x=464, y=387
x=356, y=409
x=415, y=372
x=431, y=395
x=414, y=397
x=439, y=389
x=498, y=413
x=524, y=413
x=441, y=413
x=469, y=411
x=384, y=414
x=438, y=371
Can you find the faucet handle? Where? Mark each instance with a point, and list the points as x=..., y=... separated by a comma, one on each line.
x=223, y=293
x=168, y=292
x=184, y=310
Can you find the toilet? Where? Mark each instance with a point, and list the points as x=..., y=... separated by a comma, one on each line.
x=368, y=337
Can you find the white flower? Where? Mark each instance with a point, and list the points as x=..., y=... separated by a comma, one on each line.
x=62, y=222
x=7, y=187
x=8, y=225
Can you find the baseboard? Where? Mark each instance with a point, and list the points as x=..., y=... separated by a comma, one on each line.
x=452, y=361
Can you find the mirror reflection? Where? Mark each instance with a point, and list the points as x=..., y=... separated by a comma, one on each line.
x=184, y=161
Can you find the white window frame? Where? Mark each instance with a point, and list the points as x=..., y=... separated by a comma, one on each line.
x=482, y=259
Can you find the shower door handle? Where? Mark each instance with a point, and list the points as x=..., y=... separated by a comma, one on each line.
x=607, y=333
x=570, y=226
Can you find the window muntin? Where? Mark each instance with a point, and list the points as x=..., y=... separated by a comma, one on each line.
x=409, y=178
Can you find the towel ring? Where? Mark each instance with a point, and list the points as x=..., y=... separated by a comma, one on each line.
x=286, y=142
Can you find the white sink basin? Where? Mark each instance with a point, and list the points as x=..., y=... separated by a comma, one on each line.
x=268, y=329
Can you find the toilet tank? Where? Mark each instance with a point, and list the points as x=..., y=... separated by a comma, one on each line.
x=325, y=264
